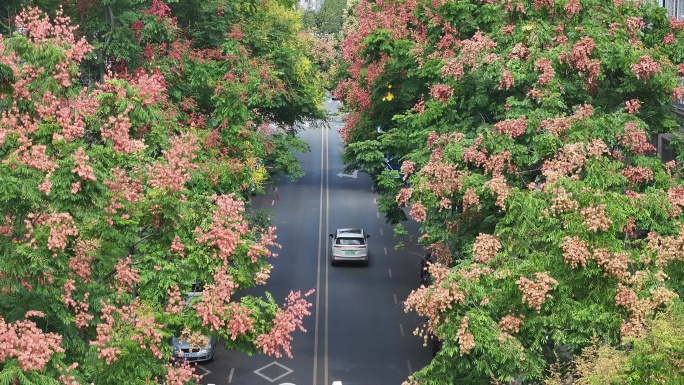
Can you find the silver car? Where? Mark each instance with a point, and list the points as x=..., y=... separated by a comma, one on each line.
x=198, y=348
x=349, y=245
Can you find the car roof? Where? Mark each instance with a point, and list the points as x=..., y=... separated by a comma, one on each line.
x=350, y=232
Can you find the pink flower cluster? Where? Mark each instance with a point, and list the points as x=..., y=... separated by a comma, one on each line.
x=215, y=302
x=177, y=166
x=180, y=374
x=24, y=341
x=117, y=129
x=632, y=106
x=511, y=127
x=159, y=9
x=466, y=340
x=418, y=212
x=637, y=174
x=570, y=159
x=572, y=7
x=61, y=226
x=547, y=72
x=227, y=227
x=535, y=291
x=177, y=246
x=151, y=87
x=176, y=304
x=441, y=92
x=485, y=248
x=507, y=80
x=80, y=307
x=82, y=169
x=645, y=67
x=556, y=126
x=635, y=139
x=286, y=321
x=126, y=276
x=595, y=218
x=675, y=197
x=263, y=246
x=470, y=198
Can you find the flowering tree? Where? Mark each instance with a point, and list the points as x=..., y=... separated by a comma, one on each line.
x=525, y=129
x=116, y=202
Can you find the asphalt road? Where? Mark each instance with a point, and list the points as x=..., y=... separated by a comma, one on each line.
x=358, y=332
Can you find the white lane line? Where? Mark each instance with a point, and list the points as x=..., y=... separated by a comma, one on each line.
x=390, y=272
x=409, y=367
x=384, y=248
x=375, y=200
x=230, y=377
x=378, y=214
x=276, y=189
x=395, y=299
x=401, y=329
x=272, y=202
x=381, y=232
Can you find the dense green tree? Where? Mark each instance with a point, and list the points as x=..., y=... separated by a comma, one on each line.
x=329, y=17
x=524, y=129
x=116, y=198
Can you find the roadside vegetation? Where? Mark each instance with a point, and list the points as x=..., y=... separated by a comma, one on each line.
x=131, y=135
x=525, y=133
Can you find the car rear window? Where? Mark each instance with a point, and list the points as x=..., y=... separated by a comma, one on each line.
x=350, y=241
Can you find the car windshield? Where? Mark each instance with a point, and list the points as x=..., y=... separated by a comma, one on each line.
x=349, y=241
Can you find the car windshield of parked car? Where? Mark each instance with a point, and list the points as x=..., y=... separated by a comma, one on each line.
x=349, y=241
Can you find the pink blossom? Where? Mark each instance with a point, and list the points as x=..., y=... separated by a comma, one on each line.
x=177, y=246
x=511, y=127
x=404, y=196
x=24, y=341
x=418, y=212
x=286, y=321
x=546, y=67
x=645, y=67
x=635, y=139
x=180, y=374
x=572, y=7
x=177, y=166
x=441, y=92
x=175, y=305
x=126, y=276
x=228, y=225
x=632, y=106
x=507, y=80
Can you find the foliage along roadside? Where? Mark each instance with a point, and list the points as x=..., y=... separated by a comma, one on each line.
x=117, y=198
x=524, y=128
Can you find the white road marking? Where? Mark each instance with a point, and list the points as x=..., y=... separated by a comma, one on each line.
x=390, y=272
x=285, y=368
x=206, y=371
x=384, y=248
x=230, y=377
x=381, y=232
x=352, y=175
x=401, y=329
x=395, y=299
x=409, y=367
x=272, y=202
x=378, y=214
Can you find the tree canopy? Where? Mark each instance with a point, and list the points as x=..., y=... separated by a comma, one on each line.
x=525, y=131
x=120, y=195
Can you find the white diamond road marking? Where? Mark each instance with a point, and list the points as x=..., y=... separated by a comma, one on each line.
x=287, y=371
